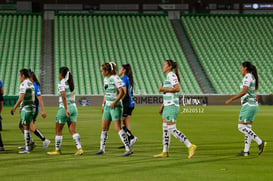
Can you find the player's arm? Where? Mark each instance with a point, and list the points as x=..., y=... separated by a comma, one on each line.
x=103, y=103
x=176, y=88
x=2, y=90
x=161, y=109
x=124, y=92
x=242, y=93
x=21, y=98
x=41, y=103
x=120, y=95
x=65, y=103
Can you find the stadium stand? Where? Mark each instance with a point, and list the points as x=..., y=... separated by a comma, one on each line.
x=223, y=42
x=84, y=42
x=20, y=46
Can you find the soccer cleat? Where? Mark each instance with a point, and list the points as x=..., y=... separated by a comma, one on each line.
x=2, y=148
x=79, y=152
x=55, y=152
x=45, y=144
x=261, y=147
x=243, y=154
x=121, y=147
x=133, y=141
x=192, y=149
x=100, y=152
x=161, y=155
x=32, y=146
x=24, y=151
x=127, y=153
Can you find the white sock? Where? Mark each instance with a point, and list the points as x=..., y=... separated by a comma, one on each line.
x=103, y=139
x=179, y=135
x=30, y=138
x=247, y=140
x=247, y=131
x=27, y=139
x=77, y=140
x=166, y=139
x=58, y=142
x=124, y=138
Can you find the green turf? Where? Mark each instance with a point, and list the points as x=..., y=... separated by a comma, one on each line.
x=214, y=132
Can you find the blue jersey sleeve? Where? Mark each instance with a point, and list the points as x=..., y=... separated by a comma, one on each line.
x=37, y=89
x=1, y=84
x=124, y=81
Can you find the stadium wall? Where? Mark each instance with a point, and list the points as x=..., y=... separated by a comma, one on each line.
x=148, y=100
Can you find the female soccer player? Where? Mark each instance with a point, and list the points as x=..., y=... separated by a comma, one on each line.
x=126, y=73
x=170, y=109
x=67, y=112
x=112, y=107
x=1, y=106
x=26, y=99
x=249, y=108
x=38, y=101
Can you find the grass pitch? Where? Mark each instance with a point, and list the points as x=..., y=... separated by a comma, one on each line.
x=213, y=130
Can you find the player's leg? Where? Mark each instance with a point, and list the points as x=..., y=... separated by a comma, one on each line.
x=26, y=118
x=166, y=139
x=127, y=129
x=124, y=138
x=105, y=124
x=72, y=129
x=116, y=116
x=246, y=118
x=1, y=144
x=38, y=133
x=61, y=119
x=1, y=107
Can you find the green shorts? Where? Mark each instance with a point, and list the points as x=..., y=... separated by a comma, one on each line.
x=248, y=113
x=112, y=114
x=170, y=113
x=26, y=117
x=61, y=116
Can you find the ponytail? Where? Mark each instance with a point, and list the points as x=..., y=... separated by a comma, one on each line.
x=129, y=73
x=32, y=74
x=68, y=76
x=253, y=70
x=174, y=66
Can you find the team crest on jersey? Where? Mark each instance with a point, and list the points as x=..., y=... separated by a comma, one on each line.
x=106, y=86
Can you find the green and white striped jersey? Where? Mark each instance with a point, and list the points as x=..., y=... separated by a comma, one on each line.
x=27, y=88
x=70, y=96
x=171, y=98
x=111, y=86
x=250, y=96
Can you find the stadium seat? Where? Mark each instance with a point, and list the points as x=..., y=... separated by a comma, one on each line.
x=85, y=42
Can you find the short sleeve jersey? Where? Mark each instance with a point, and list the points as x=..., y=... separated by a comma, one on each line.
x=128, y=99
x=1, y=86
x=70, y=96
x=171, y=98
x=37, y=93
x=250, y=96
x=27, y=88
x=111, y=86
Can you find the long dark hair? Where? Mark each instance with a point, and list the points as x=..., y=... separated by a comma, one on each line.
x=32, y=74
x=253, y=70
x=63, y=71
x=173, y=64
x=110, y=67
x=25, y=72
x=129, y=73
